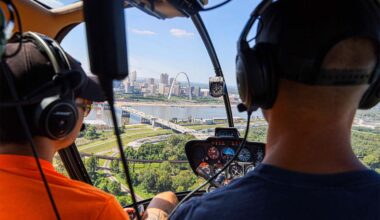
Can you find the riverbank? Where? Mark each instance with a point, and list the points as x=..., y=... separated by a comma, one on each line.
x=168, y=104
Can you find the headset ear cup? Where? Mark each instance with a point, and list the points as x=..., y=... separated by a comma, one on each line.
x=267, y=66
x=242, y=79
x=255, y=74
x=263, y=81
x=55, y=118
x=371, y=97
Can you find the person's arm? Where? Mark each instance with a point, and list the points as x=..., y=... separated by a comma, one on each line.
x=161, y=206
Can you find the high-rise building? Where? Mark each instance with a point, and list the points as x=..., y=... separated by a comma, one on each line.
x=205, y=92
x=171, y=80
x=133, y=76
x=164, y=78
x=161, y=88
x=152, y=89
x=150, y=81
x=166, y=90
x=176, y=90
x=196, y=91
x=126, y=82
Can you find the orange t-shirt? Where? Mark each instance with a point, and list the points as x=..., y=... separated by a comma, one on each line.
x=23, y=195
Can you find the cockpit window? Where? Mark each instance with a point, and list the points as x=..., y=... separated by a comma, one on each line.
x=165, y=102
x=51, y=4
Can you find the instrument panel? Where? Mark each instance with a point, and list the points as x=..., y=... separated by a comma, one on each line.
x=206, y=157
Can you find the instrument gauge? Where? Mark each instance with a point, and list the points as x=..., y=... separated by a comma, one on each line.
x=213, y=153
x=228, y=153
x=249, y=169
x=244, y=155
x=236, y=171
x=217, y=86
x=260, y=155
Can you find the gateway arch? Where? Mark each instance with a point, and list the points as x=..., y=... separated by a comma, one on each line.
x=188, y=85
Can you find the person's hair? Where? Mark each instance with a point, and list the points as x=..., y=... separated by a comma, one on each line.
x=349, y=54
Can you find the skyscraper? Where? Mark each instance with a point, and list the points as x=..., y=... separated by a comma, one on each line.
x=150, y=81
x=164, y=78
x=133, y=76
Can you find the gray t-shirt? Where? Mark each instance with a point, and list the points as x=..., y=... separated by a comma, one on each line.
x=269, y=192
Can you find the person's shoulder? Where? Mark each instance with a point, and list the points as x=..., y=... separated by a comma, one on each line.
x=102, y=204
x=88, y=190
x=220, y=203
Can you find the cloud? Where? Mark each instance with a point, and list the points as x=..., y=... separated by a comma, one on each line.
x=142, y=32
x=180, y=33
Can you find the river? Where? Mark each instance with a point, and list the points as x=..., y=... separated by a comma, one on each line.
x=98, y=116
x=203, y=112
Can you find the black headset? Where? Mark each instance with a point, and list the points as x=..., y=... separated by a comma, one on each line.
x=56, y=115
x=256, y=70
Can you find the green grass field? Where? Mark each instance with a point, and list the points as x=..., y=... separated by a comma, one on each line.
x=136, y=133
x=201, y=127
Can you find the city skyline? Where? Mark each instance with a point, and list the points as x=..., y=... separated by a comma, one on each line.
x=164, y=85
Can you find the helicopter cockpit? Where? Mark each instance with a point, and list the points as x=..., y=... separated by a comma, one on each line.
x=174, y=98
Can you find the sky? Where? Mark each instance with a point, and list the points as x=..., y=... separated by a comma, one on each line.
x=174, y=45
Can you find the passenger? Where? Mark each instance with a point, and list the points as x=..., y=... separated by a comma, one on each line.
x=22, y=192
x=310, y=170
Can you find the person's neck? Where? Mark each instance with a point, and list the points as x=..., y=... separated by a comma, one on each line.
x=44, y=149
x=310, y=144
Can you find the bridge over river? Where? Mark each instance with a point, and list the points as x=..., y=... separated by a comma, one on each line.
x=159, y=122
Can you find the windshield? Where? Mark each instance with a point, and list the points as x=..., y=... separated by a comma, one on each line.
x=168, y=59
x=56, y=3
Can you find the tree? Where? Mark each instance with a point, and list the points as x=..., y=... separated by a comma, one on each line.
x=130, y=152
x=124, y=200
x=115, y=188
x=91, y=166
x=148, y=179
x=103, y=184
x=164, y=182
x=115, y=168
x=122, y=129
x=90, y=133
x=372, y=160
x=174, y=140
x=184, y=180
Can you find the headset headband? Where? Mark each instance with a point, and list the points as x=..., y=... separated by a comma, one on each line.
x=303, y=32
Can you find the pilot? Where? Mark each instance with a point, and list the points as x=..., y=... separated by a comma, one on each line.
x=22, y=192
x=324, y=57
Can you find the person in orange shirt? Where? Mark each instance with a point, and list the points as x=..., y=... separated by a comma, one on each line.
x=22, y=192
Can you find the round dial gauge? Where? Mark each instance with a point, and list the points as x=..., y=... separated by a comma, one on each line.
x=228, y=153
x=213, y=153
x=236, y=170
x=217, y=89
x=249, y=168
x=260, y=155
x=244, y=155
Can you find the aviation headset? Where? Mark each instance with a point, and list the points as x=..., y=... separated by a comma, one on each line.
x=55, y=114
x=257, y=68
